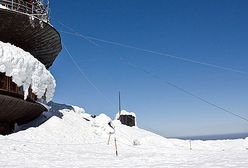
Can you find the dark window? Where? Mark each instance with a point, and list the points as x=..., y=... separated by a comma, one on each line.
x=31, y=95
x=34, y=97
x=3, y=82
x=9, y=86
x=30, y=92
x=12, y=86
x=128, y=120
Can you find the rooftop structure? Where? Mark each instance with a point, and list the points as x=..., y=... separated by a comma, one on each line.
x=29, y=28
x=35, y=8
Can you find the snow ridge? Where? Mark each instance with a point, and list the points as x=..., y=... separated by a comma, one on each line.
x=67, y=136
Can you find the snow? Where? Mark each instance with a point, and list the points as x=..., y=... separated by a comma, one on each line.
x=3, y=7
x=69, y=137
x=124, y=112
x=26, y=71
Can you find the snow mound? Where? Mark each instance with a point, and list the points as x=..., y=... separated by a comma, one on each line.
x=71, y=124
x=104, y=123
x=26, y=71
x=67, y=136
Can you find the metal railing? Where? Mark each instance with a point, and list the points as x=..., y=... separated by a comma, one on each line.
x=34, y=8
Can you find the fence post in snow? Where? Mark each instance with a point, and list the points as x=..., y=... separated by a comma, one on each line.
x=116, y=152
x=109, y=138
x=190, y=145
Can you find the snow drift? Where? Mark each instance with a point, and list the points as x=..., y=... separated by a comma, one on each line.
x=67, y=136
x=26, y=71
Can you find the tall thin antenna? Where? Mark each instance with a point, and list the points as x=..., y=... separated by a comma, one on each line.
x=119, y=104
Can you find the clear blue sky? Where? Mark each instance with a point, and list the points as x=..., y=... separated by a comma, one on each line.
x=210, y=31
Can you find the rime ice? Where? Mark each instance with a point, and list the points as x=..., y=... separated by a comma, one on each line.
x=26, y=71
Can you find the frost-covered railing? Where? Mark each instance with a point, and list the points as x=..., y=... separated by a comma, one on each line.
x=32, y=7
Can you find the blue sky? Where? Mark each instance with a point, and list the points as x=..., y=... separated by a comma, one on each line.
x=209, y=31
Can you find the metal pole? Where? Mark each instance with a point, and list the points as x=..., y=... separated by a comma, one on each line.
x=48, y=10
x=119, y=104
x=12, y=4
x=109, y=139
x=116, y=152
x=32, y=7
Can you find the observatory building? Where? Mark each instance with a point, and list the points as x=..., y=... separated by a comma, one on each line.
x=25, y=24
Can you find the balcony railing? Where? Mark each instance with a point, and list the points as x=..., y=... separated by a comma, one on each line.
x=34, y=8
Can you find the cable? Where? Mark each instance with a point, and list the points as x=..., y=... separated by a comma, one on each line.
x=184, y=90
x=89, y=38
x=78, y=34
x=85, y=76
x=170, y=56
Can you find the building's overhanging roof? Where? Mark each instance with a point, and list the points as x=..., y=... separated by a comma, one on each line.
x=31, y=34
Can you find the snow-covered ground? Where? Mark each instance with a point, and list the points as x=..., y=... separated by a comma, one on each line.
x=26, y=71
x=68, y=137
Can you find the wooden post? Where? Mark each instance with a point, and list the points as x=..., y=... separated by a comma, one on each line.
x=190, y=146
x=109, y=139
x=116, y=152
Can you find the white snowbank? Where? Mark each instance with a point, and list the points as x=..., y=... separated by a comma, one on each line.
x=67, y=138
x=102, y=121
x=78, y=109
x=65, y=124
x=26, y=71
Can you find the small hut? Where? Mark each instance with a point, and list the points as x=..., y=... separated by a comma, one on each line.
x=127, y=118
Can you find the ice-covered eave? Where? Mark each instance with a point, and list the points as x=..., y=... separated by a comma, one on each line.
x=26, y=71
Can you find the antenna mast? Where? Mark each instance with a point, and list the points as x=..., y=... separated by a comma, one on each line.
x=119, y=104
